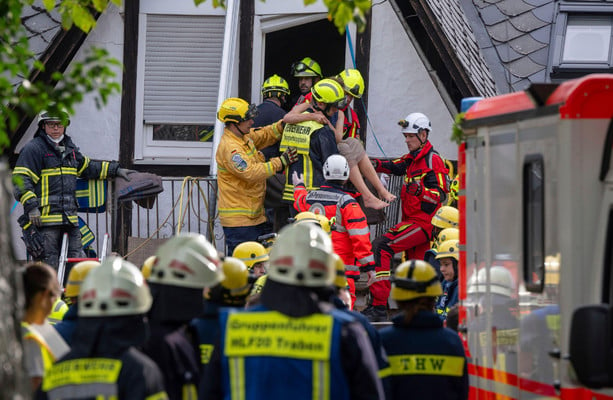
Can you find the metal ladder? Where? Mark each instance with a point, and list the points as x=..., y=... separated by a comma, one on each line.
x=64, y=259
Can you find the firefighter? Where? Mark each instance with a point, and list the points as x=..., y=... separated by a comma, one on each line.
x=423, y=355
x=448, y=256
x=232, y=291
x=243, y=172
x=424, y=191
x=185, y=265
x=308, y=73
x=76, y=276
x=293, y=345
x=42, y=345
x=254, y=255
x=275, y=92
x=351, y=235
x=445, y=217
x=104, y=361
x=314, y=139
x=45, y=179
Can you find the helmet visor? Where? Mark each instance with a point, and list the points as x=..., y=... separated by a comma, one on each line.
x=251, y=113
x=299, y=66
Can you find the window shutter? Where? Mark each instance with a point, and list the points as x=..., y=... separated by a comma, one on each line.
x=182, y=68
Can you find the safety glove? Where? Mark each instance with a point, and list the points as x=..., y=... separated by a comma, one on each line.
x=124, y=172
x=297, y=179
x=289, y=156
x=34, y=216
x=414, y=188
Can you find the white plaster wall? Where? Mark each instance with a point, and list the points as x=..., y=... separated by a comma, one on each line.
x=95, y=131
x=399, y=84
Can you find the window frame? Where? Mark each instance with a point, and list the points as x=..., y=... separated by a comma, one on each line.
x=165, y=152
x=565, y=70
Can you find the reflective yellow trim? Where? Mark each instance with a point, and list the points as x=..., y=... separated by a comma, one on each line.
x=84, y=166
x=385, y=372
x=237, y=378
x=321, y=380
x=82, y=371
x=51, y=218
x=189, y=392
x=104, y=172
x=45, y=350
x=28, y=172
x=58, y=171
x=27, y=196
x=239, y=211
x=426, y=364
x=206, y=350
x=157, y=396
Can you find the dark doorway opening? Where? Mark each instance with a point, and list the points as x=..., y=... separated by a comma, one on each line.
x=319, y=40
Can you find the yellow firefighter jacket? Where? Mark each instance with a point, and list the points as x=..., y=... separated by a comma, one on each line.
x=242, y=174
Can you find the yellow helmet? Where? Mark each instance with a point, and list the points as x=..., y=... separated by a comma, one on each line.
x=329, y=91
x=147, y=266
x=340, y=279
x=446, y=217
x=275, y=86
x=317, y=219
x=236, y=275
x=57, y=312
x=236, y=110
x=447, y=234
x=306, y=67
x=413, y=279
x=251, y=253
x=449, y=248
x=352, y=82
x=77, y=273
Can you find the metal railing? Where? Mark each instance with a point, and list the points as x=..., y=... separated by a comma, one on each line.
x=187, y=205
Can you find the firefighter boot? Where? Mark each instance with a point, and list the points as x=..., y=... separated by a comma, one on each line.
x=375, y=313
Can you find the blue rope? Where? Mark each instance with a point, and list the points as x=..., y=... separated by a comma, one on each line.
x=372, y=129
x=14, y=206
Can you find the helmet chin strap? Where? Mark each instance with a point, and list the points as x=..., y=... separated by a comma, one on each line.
x=239, y=129
x=420, y=141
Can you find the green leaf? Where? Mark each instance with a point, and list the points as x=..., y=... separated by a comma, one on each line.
x=82, y=18
x=100, y=5
x=309, y=2
x=457, y=134
x=49, y=4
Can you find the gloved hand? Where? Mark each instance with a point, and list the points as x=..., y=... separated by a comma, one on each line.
x=289, y=156
x=372, y=276
x=34, y=217
x=296, y=179
x=414, y=188
x=123, y=173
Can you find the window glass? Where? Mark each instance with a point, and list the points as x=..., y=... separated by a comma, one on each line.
x=587, y=39
x=534, y=222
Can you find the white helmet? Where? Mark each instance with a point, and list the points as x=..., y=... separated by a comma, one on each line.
x=336, y=168
x=115, y=288
x=414, y=122
x=187, y=260
x=501, y=281
x=302, y=256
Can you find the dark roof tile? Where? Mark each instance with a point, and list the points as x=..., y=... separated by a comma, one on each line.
x=513, y=7
x=527, y=22
x=524, y=67
x=526, y=44
x=507, y=54
x=493, y=1
x=540, y=56
x=503, y=32
x=539, y=77
x=480, y=3
x=521, y=85
x=538, y=2
x=542, y=35
x=491, y=15
x=545, y=12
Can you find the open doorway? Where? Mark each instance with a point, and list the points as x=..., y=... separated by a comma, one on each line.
x=319, y=40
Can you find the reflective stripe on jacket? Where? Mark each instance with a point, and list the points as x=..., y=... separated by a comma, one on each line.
x=242, y=174
x=428, y=169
